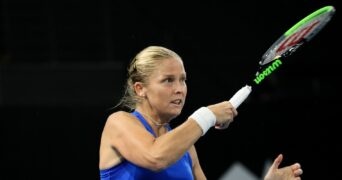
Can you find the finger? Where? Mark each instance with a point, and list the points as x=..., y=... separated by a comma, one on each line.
x=295, y=166
x=230, y=105
x=277, y=162
x=222, y=126
x=235, y=113
x=298, y=172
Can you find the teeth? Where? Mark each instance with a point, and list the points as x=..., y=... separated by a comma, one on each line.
x=177, y=101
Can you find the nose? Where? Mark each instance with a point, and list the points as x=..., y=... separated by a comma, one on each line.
x=180, y=88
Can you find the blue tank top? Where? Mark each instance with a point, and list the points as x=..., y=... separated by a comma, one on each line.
x=182, y=169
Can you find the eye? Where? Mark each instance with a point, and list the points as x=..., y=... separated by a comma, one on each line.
x=183, y=79
x=169, y=80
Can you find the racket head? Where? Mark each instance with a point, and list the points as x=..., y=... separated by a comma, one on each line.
x=302, y=32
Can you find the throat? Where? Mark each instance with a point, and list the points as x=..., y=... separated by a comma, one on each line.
x=154, y=122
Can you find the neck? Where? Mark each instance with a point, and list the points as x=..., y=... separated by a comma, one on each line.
x=154, y=122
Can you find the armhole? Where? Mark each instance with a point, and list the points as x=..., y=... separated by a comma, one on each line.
x=189, y=159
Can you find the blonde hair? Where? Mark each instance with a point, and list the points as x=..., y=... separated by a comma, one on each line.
x=140, y=68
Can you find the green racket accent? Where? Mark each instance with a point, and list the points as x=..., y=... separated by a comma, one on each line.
x=297, y=35
x=309, y=18
x=267, y=71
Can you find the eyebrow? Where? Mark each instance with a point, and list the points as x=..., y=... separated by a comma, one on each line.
x=171, y=75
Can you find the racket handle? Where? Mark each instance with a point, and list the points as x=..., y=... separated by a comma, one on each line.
x=240, y=96
x=236, y=100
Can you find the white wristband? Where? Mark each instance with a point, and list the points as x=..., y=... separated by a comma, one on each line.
x=205, y=118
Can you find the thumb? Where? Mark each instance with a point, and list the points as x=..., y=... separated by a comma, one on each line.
x=277, y=162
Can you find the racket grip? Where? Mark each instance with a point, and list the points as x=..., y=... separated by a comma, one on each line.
x=240, y=96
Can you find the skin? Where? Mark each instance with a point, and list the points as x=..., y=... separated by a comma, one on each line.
x=164, y=93
x=291, y=172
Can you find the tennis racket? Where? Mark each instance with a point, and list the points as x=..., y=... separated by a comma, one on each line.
x=298, y=35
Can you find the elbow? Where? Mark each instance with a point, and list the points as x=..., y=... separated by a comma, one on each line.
x=157, y=164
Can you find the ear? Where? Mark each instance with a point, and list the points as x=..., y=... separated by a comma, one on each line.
x=139, y=89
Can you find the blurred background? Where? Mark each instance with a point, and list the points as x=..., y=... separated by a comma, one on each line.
x=63, y=67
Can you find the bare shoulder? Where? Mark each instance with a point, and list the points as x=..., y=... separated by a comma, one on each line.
x=118, y=115
x=119, y=118
x=119, y=122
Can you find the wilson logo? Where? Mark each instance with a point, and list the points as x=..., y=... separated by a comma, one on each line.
x=268, y=71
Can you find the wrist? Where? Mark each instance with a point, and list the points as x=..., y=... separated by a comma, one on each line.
x=205, y=118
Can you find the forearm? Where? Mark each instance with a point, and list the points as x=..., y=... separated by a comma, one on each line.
x=184, y=136
x=171, y=146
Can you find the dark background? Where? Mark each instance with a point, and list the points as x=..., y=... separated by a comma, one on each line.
x=62, y=67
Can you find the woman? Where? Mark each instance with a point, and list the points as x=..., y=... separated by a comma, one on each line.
x=140, y=144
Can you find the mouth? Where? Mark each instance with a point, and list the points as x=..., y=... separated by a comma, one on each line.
x=177, y=102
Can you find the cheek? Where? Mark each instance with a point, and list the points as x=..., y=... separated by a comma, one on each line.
x=162, y=94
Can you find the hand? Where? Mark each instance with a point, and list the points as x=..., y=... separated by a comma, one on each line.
x=224, y=113
x=292, y=172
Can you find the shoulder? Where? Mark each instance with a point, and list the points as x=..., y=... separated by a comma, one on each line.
x=119, y=122
x=120, y=117
x=119, y=114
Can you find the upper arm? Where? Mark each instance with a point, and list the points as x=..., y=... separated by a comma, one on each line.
x=196, y=166
x=129, y=137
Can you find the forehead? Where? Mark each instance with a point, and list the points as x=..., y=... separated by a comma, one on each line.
x=170, y=66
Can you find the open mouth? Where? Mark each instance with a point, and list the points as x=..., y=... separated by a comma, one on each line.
x=177, y=101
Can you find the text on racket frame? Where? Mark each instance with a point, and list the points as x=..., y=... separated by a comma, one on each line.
x=267, y=71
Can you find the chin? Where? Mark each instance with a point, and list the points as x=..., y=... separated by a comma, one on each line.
x=175, y=113
x=178, y=112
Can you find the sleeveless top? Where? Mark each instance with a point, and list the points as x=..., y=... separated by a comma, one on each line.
x=181, y=169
